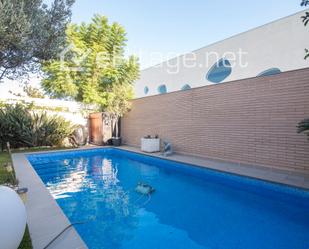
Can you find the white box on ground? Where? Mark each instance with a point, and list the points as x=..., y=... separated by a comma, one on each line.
x=150, y=144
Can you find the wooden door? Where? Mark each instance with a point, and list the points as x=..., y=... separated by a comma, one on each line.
x=96, y=128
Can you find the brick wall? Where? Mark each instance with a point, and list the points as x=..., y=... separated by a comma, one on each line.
x=249, y=121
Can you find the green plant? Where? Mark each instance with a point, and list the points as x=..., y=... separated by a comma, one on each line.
x=305, y=19
x=25, y=128
x=15, y=126
x=118, y=103
x=31, y=32
x=33, y=92
x=50, y=130
x=93, y=63
x=303, y=126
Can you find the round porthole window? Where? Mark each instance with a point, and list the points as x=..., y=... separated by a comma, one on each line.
x=271, y=71
x=219, y=71
x=162, y=89
x=186, y=87
x=146, y=90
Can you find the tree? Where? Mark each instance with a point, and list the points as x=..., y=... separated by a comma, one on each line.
x=29, y=91
x=93, y=65
x=30, y=32
x=118, y=104
x=305, y=19
x=33, y=92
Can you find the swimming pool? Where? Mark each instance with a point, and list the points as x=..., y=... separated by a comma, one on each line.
x=191, y=207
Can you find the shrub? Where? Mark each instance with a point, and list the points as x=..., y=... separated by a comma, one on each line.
x=15, y=126
x=25, y=128
x=50, y=130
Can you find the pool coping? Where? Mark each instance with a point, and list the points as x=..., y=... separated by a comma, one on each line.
x=46, y=219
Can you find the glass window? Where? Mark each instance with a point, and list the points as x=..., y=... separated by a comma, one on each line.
x=162, y=89
x=146, y=90
x=219, y=71
x=186, y=87
x=271, y=71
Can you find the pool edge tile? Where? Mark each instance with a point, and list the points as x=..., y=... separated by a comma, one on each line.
x=39, y=199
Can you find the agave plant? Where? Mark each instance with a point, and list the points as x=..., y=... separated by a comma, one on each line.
x=23, y=128
x=303, y=126
x=50, y=129
x=15, y=123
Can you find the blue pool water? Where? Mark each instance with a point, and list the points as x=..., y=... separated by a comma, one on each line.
x=192, y=207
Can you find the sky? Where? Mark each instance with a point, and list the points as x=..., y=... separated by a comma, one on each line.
x=174, y=27
x=167, y=28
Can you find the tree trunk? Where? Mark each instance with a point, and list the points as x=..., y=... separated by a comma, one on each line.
x=116, y=126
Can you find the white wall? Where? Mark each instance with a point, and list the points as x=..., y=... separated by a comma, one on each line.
x=73, y=111
x=279, y=44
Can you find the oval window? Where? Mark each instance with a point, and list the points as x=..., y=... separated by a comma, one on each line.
x=146, y=90
x=186, y=87
x=219, y=71
x=271, y=71
x=162, y=89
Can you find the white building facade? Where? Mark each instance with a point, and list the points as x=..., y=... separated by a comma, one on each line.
x=269, y=49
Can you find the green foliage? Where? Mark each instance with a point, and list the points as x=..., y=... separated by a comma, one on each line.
x=24, y=128
x=26, y=242
x=29, y=91
x=118, y=104
x=49, y=130
x=92, y=65
x=307, y=54
x=30, y=32
x=33, y=92
x=305, y=19
x=5, y=176
x=304, y=3
x=15, y=126
x=303, y=126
